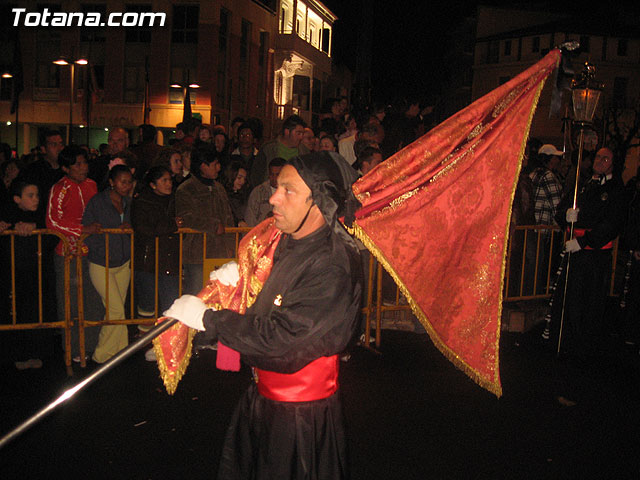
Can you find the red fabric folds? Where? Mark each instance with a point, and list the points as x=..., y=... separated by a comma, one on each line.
x=255, y=260
x=436, y=215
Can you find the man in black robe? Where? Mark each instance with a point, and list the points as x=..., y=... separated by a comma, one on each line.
x=289, y=422
x=599, y=219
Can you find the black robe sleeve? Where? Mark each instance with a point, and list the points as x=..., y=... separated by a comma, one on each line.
x=307, y=309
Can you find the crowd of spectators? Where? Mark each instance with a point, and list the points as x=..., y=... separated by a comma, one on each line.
x=207, y=178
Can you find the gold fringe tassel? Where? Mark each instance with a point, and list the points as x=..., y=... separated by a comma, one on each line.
x=493, y=387
x=523, y=146
x=171, y=379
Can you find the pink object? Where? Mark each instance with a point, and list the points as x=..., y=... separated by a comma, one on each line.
x=116, y=161
x=227, y=358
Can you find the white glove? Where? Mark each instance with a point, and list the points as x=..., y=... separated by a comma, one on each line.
x=189, y=310
x=227, y=274
x=572, y=215
x=572, y=246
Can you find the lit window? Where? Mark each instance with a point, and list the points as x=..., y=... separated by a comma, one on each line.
x=326, y=40
x=283, y=19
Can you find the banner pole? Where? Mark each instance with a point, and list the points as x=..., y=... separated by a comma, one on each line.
x=575, y=204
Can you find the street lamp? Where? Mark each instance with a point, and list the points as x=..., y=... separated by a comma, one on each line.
x=6, y=74
x=179, y=85
x=62, y=61
x=585, y=93
x=186, y=96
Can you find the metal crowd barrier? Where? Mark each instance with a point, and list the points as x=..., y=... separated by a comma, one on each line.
x=528, y=275
x=373, y=311
x=132, y=318
x=532, y=257
x=44, y=320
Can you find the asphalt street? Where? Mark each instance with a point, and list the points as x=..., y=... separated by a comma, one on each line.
x=410, y=415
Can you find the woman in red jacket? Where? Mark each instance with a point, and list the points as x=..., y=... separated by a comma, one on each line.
x=67, y=202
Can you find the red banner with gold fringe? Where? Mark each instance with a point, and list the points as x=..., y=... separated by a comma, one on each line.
x=436, y=215
x=255, y=260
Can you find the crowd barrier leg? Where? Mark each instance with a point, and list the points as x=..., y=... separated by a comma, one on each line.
x=67, y=314
x=378, y=305
x=369, y=305
x=81, y=332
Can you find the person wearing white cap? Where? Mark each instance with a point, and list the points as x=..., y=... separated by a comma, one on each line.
x=548, y=149
x=547, y=192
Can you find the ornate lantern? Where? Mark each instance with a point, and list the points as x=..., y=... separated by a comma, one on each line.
x=585, y=93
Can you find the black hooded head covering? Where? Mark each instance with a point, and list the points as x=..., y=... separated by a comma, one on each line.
x=329, y=177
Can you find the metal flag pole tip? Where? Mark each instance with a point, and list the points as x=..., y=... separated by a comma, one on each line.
x=117, y=359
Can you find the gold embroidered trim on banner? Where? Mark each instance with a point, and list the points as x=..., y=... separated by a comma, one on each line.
x=475, y=132
x=523, y=146
x=171, y=379
x=492, y=386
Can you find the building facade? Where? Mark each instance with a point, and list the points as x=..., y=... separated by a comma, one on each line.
x=242, y=58
x=509, y=40
x=302, y=57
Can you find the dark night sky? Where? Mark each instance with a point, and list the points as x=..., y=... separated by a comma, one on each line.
x=408, y=41
x=409, y=37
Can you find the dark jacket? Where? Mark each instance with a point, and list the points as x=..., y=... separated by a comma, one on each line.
x=153, y=216
x=26, y=248
x=101, y=210
x=203, y=207
x=238, y=203
x=602, y=211
x=632, y=230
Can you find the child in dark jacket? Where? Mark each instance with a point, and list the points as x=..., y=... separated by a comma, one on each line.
x=23, y=215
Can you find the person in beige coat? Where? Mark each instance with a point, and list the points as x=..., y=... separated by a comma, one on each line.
x=202, y=203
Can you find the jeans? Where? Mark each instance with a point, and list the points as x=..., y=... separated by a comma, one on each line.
x=192, y=282
x=145, y=292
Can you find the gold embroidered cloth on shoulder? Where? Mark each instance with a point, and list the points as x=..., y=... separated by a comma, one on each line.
x=255, y=260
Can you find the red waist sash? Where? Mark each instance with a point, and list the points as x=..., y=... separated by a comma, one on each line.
x=579, y=232
x=316, y=381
